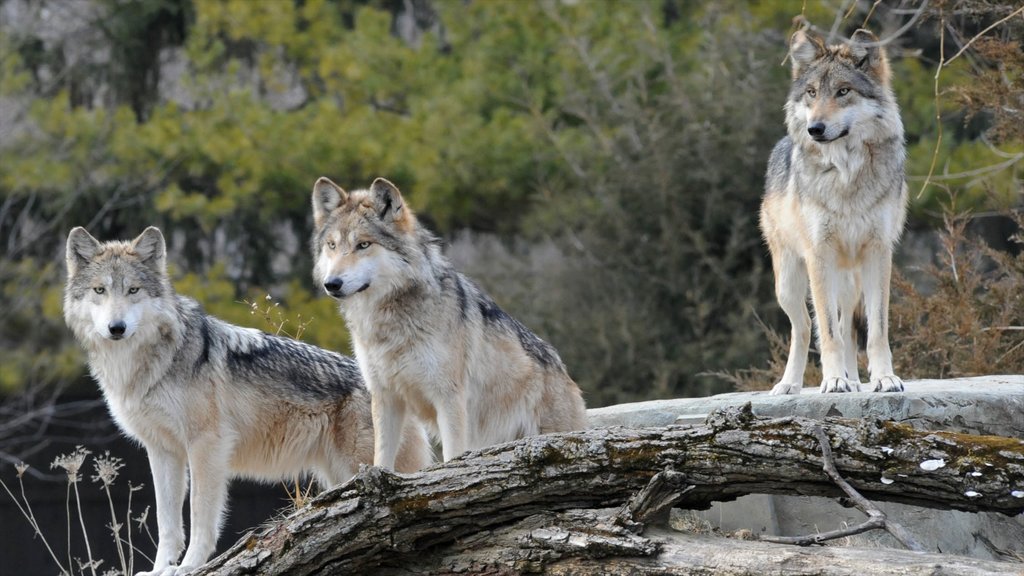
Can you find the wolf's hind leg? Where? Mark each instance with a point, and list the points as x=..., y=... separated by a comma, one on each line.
x=451, y=423
x=849, y=293
x=389, y=414
x=791, y=290
x=876, y=275
x=827, y=287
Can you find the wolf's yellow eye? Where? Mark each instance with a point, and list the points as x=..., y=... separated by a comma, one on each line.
x=812, y=92
x=99, y=289
x=133, y=290
x=362, y=245
x=331, y=245
x=843, y=92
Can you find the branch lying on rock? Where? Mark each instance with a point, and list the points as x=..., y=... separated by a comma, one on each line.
x=876, y=518
x=381, y=520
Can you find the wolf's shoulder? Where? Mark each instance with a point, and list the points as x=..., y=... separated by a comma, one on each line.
x=474, y=300
x=779, y=165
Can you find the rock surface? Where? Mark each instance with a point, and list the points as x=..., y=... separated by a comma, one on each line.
x=982, y=405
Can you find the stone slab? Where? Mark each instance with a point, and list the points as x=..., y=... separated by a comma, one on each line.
x=981, y=405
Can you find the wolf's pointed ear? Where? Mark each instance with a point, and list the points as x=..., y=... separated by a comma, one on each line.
x=327, y=196
x=151, y=248
x=81, y=248
x=804, y=47
x=387, y=201
x=867, y=55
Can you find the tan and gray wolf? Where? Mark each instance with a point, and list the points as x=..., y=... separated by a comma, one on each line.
x=834, y=208
x=203, y=395
x=429, y=342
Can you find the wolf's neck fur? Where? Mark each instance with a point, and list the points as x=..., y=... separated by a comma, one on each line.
x=128, y=369
x=842, y=169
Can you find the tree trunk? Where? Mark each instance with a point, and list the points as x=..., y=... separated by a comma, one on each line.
x=529, y=505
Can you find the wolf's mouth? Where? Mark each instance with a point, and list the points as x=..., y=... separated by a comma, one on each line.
x=822, y=140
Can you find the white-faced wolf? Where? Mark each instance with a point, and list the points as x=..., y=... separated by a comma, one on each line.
x=208, y=397
x=428, y=341
x=834, y=208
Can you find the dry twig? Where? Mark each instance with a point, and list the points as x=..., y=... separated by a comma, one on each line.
x=876, y=518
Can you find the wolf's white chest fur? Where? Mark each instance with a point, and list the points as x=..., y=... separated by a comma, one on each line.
x=128, y=378
x=842, y=200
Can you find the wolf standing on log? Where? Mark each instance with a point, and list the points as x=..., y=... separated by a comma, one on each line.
x=834, y=208
x=208, y=397
x=429, y=342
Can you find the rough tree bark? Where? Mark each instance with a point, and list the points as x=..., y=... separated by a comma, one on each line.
x=535, y=505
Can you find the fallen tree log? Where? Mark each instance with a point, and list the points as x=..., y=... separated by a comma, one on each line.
x=381, y=520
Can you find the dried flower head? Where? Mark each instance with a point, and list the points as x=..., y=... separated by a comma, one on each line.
x=141, y=518
x=71, y=463
x=20, y=468
x=107, y=467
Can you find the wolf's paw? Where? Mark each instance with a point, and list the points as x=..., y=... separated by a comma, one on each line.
x=837, y=384
x=890, y=383
x=786, y=388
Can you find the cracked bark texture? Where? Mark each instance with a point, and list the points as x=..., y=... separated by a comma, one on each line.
x=534, y=505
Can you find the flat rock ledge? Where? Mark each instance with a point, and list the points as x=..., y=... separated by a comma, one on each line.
x=980, y=405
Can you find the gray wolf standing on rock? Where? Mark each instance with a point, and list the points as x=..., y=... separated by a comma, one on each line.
x=208, y=397
x=834, y=208
x=429, y=342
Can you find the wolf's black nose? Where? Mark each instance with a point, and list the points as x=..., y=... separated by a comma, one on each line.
x=117, y=328
x=816, y=130
x=333, y=285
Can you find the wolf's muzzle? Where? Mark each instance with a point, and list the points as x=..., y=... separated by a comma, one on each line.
x=817, y=133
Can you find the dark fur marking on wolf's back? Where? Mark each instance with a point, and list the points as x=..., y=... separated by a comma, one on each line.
x=204, y=333
x=532, y=344
x=316, y=373
x=460, y=290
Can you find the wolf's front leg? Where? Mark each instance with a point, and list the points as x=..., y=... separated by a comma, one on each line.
x=168, y=470
x=826, y=290
x=388, y=413
x=791, y=290
x=876, y=276
x=209, y=460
